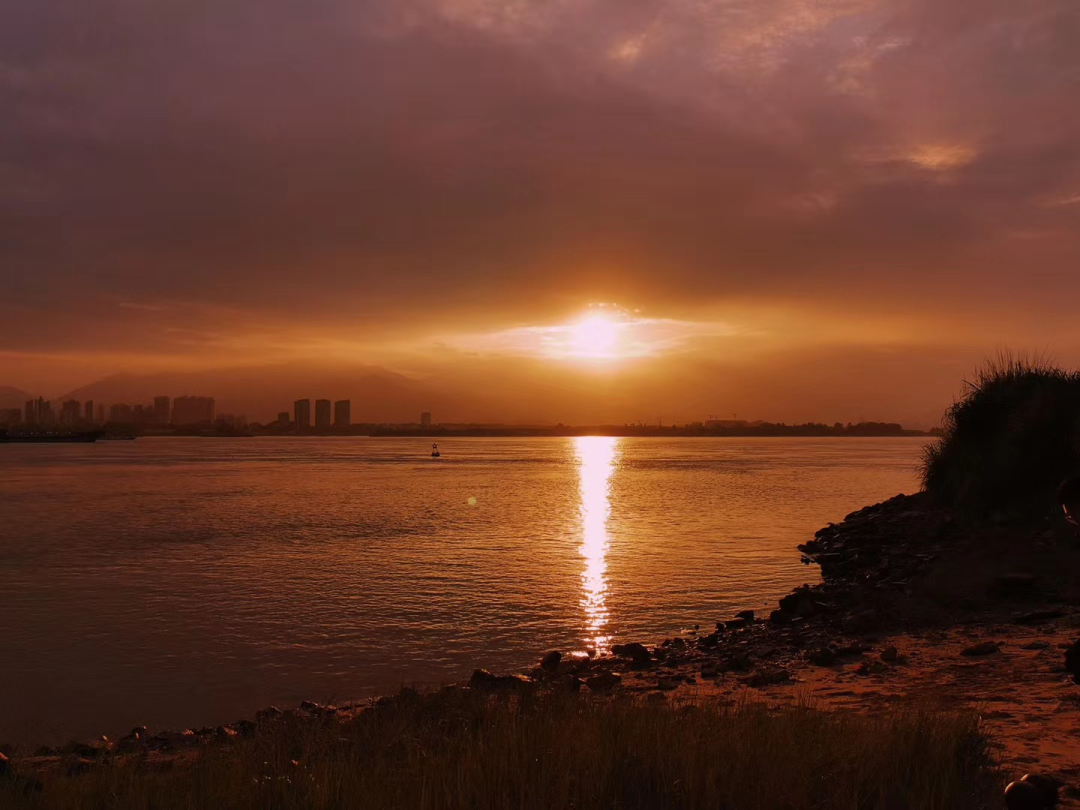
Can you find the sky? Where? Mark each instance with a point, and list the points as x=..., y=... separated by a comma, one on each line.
x=790, y=209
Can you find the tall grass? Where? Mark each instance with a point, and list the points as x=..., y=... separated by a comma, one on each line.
x=462, y=750
x=1009, y=440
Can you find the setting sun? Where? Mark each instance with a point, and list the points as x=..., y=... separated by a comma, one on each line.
x=597, y=336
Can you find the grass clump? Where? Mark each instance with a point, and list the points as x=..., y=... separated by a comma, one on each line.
x=457, y=749
x=1009, y=440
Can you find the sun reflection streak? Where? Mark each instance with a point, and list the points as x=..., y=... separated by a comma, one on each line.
x=597, y=456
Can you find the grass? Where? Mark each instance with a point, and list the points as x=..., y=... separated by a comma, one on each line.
x=1009, y=440
x=459, y=749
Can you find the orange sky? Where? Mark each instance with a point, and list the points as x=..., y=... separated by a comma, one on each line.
x=805, y=210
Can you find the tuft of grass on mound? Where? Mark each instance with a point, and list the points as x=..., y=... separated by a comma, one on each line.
x=1010, y=439
x=457, y=749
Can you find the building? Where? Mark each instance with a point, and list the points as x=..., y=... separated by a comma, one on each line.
x=45, y=413
x=342, y=413
x=283, y=419
x=121, y=414
x=162, y=409
x=88, y=412
x=302, y=415
x=69, y=412
x=425, y=419
x=31, y=412
x=193, y=410
x=322, y=414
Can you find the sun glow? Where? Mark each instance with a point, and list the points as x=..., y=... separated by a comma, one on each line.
x=598, y=336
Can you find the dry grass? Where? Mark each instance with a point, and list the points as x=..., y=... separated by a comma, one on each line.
x=1009, y=440
x=457, y=749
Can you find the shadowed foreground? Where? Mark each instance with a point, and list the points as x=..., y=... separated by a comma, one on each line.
x=462, y=749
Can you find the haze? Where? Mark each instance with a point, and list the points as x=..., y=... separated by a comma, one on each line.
x=793, y=210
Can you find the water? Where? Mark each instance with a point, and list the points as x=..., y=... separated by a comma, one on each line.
x=183, y=582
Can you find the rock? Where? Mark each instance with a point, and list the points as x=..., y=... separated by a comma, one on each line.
x=639, y=653
x=709, y=671
x=890, y=655
x=245, y=728
x=225, y=733
x=667, y=684
x=1072, y=660
x=658, y=697
x=745, y=614
x=779, y=617
x=1039, y=616
x=550, y=662
x=1036, y=645
x=822, y=656
x=1014, y=586
x=767, y=677
x=484, y=681
x=269, y=713
x=1047, y=785
x=709, y=641
x=5, y=766
x=871, y=667
x=735, y=624
x=1024, y=796
x=982, y=648
x=740, y=662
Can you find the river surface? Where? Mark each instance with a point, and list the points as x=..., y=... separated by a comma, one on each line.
x=178, y=582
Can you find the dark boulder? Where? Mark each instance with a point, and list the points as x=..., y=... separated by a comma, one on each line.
x=1072, y=660
x=484, y=681
x=638, y=653
x=604, y=681
x=1014, y=586
x=1047, y=785
x=1039, y=616
x=1024, y=796
x=550, y=662
x=745, y=614
x=982, y=648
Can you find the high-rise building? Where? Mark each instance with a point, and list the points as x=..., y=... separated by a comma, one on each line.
x=342, y=413
x=31, y=417
x=121, y=414
x=69, y=412
x=425, y=419
x=45, y=412
x=302, y=414
x=100, y=415
x=322, y=414
x=88, y=412
x=161, y=410
x=193, y=410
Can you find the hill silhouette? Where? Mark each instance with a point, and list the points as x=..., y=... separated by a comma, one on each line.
x=11, y=397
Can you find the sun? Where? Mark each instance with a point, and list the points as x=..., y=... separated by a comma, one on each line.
x=597, y=337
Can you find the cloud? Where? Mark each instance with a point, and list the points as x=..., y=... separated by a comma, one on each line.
x=310, y=177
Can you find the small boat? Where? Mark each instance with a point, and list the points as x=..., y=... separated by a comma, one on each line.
x=435, y=451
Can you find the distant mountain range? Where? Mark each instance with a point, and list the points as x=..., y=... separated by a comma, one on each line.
x=12, y=397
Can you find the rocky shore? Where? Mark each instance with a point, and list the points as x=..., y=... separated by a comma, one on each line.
x=915, y=605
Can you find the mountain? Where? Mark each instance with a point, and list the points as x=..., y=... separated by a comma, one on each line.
x=261, y=392
x=13, y=397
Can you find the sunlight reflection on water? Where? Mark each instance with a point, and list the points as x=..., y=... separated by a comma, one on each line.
x=597, y=458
